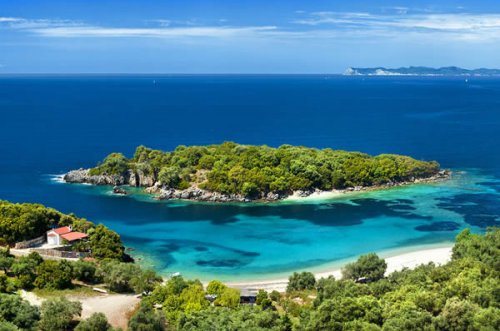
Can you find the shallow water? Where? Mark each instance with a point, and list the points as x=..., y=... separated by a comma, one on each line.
x=262, y=240
x=52, y=124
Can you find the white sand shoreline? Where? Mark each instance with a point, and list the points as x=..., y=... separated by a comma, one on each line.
x=439, y=255
x=319, y=195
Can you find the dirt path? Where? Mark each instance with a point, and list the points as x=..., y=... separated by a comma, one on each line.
x=116, y=307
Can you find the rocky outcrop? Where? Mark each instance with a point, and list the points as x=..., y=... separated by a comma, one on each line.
x=131, y=178
x=152, y=187
x=139, y=178
x=83, y=176
x=439, y=176
x=119, y=190
x=195, y=193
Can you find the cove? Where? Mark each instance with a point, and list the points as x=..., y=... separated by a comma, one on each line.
x=248, y=241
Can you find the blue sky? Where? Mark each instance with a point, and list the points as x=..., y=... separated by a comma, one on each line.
x=240, y=36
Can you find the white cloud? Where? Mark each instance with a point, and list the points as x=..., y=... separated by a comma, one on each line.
x=429, y=21
x=93, y=31
x=9, y=19
x=162, y=28
x=400, y=10
x=162, y=23
x=451, y=22
x=25, y=23
x=403, y=23
x=327, y=17
x=461, y=25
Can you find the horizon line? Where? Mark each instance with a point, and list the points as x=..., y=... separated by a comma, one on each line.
x=240, y=73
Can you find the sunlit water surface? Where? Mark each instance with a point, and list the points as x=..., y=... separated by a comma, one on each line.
x=51, y=124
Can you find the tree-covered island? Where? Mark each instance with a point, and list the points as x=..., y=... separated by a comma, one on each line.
x=234, y=172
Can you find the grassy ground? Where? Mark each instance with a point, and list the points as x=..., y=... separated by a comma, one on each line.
x=80, y=291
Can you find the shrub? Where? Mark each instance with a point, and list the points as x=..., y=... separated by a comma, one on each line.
x=146, y=318
x=118, y=275
x=54, y=275
x=58, y=314
x=215, y=287
x=301, y=281
x=230, y=297
x=17, y=313
x=105, y=244
x=369, y=266
x=85, y=271
x=96, y=322
x=275, y=296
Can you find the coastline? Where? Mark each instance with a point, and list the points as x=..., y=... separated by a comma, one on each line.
x=193, y=193
x=438, y=254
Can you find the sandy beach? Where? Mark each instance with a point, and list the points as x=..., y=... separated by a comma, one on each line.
x=320, y=195
x=410, y=260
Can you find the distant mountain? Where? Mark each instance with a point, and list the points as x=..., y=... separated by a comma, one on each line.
x=421, y=71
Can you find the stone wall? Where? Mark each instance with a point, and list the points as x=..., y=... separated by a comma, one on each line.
x=30, y=243
x=59, y=253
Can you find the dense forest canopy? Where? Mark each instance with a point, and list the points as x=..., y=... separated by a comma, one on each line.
x=254, y=170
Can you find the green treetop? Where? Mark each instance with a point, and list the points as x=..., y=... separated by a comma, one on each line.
x=256, y=170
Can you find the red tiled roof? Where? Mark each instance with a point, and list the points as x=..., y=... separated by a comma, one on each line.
x=63, y=230
x=72, y=236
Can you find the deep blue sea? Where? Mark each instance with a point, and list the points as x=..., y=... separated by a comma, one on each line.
x=51, y=124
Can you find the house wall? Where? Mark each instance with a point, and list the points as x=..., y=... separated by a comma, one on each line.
x=53, y=240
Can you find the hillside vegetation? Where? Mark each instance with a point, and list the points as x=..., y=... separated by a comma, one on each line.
x=25, y=221
x=463, y=294
x=460, y=295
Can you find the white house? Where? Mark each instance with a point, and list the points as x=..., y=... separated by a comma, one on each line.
x=57, y=237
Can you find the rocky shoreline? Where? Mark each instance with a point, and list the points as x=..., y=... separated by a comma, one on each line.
x=194, y=193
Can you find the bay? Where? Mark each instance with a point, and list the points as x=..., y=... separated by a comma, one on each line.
x=51, y=124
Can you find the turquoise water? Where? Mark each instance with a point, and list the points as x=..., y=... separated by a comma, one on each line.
x=271, y=240
x=51, y=124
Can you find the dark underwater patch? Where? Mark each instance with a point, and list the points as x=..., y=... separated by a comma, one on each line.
x=164, y=260
x=481, y=210
x=224, y=263
x=404, y=201
x=483, y=221
x=249, y=254
x=331, y=214
x=280, y=237
x=438, y=226
x=493, y=185
x=172, y=246
x=403, y=207
x=427, y=238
